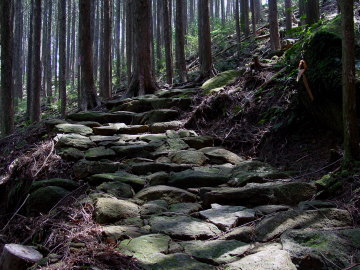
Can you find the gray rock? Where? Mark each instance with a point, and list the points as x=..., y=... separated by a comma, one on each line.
x=264, y=260
x=136, y=150
x=219, y=155
x=109, y=210
x=117, y=189
x=244, y=233
x=73, y=140
x=119, y=233
x=227, y=217
x=317, y=249
x=56, y=182
x=170, y=146
x=155, y=116
x=263, y=210
x=274, y=226
x=185, y=208
x=90, y=124
x=71, y=154
x=44, y=199
x=189, y=157
x=199, y=141
x=164, y=126
x=217, y=251
x=169, y=194
x=191, y=179
x=158, y=178
x=314, y=205
x=85, y=168
x=143, y=168
x=136, y=182
x=73, y=128
x=133, y=129
x=183, y=227
x=288, y=193
x=98, y=153
x=100, y=138
x=154, y=207
x=101, y=117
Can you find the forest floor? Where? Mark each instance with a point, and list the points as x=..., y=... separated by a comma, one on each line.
x=151, y=183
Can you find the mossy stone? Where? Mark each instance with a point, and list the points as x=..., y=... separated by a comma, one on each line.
x=221, y=80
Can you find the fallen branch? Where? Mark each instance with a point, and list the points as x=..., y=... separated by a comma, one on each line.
x=17, y=211
x=352, y=266
x=46, y=159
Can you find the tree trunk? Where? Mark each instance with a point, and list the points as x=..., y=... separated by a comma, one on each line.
x=312, y=12
x=142, y=81
x=17, y=257
x=159, y=30
x=205, y=56
x=29, y=67
x=62, y=55
x=105, y=90
x=18, y=50
x=288, y=14
x=6, y=90
x=168, y=43
x=180, y=42
x=274, y=25
x=117, y=48
x=88, y=98
x=253, y=16
x=47, y=64
x=237, y=25
x=129, y=38
x=302, y=12
x=258, y=11
x=35, y=113
x=351, y=133
x=245, y=24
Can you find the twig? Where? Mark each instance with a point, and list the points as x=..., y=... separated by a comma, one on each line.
x=47, y=158
x=17, y=211
x=329, y=260
x=352, y=266
x=319, y=170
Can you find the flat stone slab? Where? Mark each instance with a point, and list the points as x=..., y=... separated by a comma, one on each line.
x=143, y=168
x=216, y=251
x=85, y=168
x=288, y=193
x=227, y=217
x=189, y=157
x=183, y=227
x=133, y=129
x=164, y=126
x=154, y=207
x=136, y=150
x=102, y=118
x=264, y=260
x=73, y=140
x=185, y=208
x=192, y=179
x=133, y=180
x=155, y=116
x=100, y=138
x=117, y=189
x=73, y=128
x=169, y=194
x=199, y=142
x=218, y=155
x=109, y=210
x=119, y=233
x=274, y=226
x=99, y=153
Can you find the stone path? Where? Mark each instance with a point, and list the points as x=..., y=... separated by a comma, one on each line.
x=174, y=200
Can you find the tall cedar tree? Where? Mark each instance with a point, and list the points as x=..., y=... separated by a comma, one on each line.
x=129, y=38
x=168, y=42
x=312, y=11
x=237, y=26
x=142, y=80
x=274, y=25
x=244, y=9
x=205, y=56
x=35, y=110
x=105, y=90
x=180, y=41
x=6, y=90
x=288, y=15
x=351, y=133
x=88, y=98
x=62, y=55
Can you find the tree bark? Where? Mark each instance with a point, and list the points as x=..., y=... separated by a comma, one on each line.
x=18, y=257
x=105, y=90
x=29, y=67
x=288, y=14
x=62, y=55
x=245, y=24
x=142, y=81
x=168, y=43
x=237, y=26
x=253, y=16
x=6, y=90
x=129, y=38
x=351, y=133
x=274, y=25
x=180, y=42
x=18, y=49
x=35, y=113
x=88, y=98
x=205, y=56
x=312, y=11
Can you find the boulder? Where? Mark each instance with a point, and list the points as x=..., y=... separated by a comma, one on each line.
x=189, y=157
x=71, y=154
x=169, y=194
x=217, y=251
x=56, y=182
x=44, y=199
x=272, y=227
x=158, y=178
x=108, y=210
x=318, y=249
x=264, y=260
x=73, y=140
x=227, y=217
x=218, y=155
x=136, y=150
x=98, y=153
x=221, y=80
x=288, y=193
x=170, y=146
x=183, y=227
x=117, y=189
x=191, y=179
x=85, y=168
x=73, y=128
